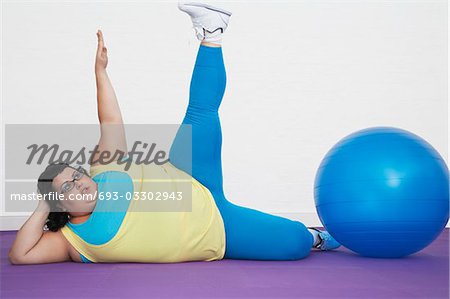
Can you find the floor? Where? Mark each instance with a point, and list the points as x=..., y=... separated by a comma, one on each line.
x=338, y=274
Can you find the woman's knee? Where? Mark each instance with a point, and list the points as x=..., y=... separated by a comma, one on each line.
x=300, y=244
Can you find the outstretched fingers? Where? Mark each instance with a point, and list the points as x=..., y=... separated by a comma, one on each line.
x=101, y=43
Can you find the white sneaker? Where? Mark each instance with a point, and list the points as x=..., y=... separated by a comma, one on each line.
x=209, y=22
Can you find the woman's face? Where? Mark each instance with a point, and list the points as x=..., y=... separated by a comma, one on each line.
x=81, y=199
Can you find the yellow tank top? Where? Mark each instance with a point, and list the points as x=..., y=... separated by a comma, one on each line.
x=158, y=237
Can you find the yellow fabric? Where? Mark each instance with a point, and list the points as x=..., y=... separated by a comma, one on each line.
x=159, y=237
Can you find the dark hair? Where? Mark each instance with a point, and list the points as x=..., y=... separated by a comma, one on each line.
x=56, y=219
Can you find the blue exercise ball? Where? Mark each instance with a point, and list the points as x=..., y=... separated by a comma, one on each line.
x=383, y=192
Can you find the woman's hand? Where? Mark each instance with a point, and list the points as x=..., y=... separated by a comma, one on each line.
x=101, y=60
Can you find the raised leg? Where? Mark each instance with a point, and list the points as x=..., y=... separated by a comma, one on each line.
x=250, y=234
x=206, y=92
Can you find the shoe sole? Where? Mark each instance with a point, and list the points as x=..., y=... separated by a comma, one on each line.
x=208, y=7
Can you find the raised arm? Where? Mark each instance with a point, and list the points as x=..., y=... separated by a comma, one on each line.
x=112, y=138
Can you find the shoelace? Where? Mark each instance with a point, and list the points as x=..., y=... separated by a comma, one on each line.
x=199, y=30
x=325, y=237
x=323, y=240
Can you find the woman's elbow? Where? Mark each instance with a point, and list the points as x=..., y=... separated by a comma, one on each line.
x=14, y=259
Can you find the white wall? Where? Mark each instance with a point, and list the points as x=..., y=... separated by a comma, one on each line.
x=301, y=75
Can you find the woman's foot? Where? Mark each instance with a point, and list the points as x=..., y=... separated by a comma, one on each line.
x=209, y=22
x=323, y=240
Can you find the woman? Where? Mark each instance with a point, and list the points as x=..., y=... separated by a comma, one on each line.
x=215, y=229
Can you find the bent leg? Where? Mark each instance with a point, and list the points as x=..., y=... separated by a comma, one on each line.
x=251, y=234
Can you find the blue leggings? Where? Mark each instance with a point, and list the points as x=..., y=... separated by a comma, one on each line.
x=250, y=234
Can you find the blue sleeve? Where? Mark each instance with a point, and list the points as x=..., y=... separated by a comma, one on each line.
x=84, y=259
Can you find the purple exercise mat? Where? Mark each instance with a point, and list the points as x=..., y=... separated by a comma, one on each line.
x=334, y=274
